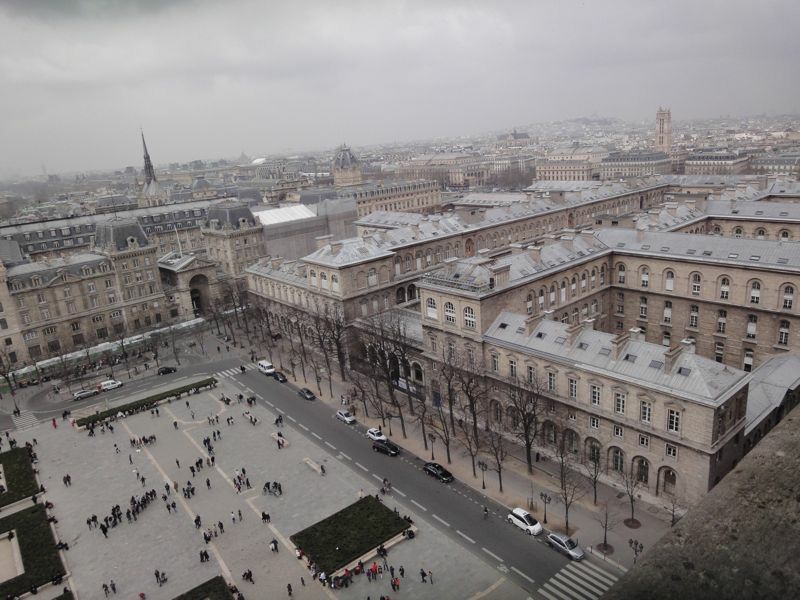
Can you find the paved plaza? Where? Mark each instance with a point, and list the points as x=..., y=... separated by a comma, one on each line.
x=104, y=475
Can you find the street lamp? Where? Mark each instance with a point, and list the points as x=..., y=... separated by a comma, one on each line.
x=432, y=439
x=545, y=500
x=483, y=467
x=637, y=548
x=390, y=417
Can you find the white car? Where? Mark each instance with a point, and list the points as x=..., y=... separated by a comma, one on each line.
x=525, y=521
x=375, y=434
x=345, y=416
x=110, y=384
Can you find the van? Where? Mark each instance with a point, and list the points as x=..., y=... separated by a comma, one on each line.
x=110, y=384
x=266, y=367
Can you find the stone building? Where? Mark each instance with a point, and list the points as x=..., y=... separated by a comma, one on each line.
x=664, y=130
x=720, y=162
x=635, y=164
x=233, y=237
x=566, y=170
x=345, y=168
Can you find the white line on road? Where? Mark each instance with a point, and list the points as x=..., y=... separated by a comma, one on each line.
x=466, y=537
x=316, y=436
x=441, y=520
x=378, y=477
x=345, y=455
x=394, y=489
x=521, y=574
x=303, y=426
x=259, y=396
x=362, y=467
x=291, y=418
x=492, y=554
x=418, y=505
x=330, y=445
x=269, y=403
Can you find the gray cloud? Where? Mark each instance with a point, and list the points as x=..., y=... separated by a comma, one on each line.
x=208, y=79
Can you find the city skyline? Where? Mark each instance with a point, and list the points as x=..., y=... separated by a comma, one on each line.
x=85, y=76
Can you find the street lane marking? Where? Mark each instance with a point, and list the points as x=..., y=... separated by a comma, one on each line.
x=291, y=418
x=442, y=521
x=345, y=455
x=316, y=436
x=330, y=445
x=492, y=554
x=578, y=584
x=521, y=574
x=394, y=489
x=547, y=595
x=303, y=426
x=269, y=403
x=466, y=537
x=378, y=477
x=418, y=505
x=598, y=571
x=362, y=467
x=555, y=585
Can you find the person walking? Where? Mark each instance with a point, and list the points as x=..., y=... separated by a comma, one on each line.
x=113, y=586
x=105, y=589
x=430, y=577
x=423, y=575
x=289, y=588
x=233, y=517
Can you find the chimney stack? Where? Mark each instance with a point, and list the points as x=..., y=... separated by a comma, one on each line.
x=275, y=263
x=671, y=357
x=688, y=345
x=573, y=331
x=323, y=240
x=535, y=253
x=637, y=335
x=618, y=344
x=588, y=324
x=336, y=247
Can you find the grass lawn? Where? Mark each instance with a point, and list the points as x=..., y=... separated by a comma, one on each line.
x=348, y=534
x=213, y=589
x=37, y=547
x=19, y=478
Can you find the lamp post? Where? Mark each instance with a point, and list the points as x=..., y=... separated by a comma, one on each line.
x=545, y=500
x=637, y=548
x=390, y=417
x=483, y=467
x=432, y=439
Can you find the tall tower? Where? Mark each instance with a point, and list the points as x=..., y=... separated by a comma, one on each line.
x=346, y=168
x=152, y=194
x=149, y=172
x=663, y=130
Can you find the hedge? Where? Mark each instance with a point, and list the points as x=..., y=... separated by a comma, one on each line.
x=213, y=589
x=145, y=403
x=40, y=557
x=67, y=595
x=355, y=530
x=20, y=481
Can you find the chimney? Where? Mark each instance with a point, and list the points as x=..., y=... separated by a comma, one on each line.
x=532, y=321
x=672, y=208
x=671, y=357
x=618, y=344
x=336, y=247
x=566, y=241
x=588, y=236
x=516, y=248
x=691, y=203
x=588, y=324
x=637, y=335
x=535, y=252
x=275, y=263
x=501, y=274
x=323, y=240
x=573, y=331
x=688, y=345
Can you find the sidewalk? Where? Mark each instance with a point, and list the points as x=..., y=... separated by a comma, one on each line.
x=519, y=488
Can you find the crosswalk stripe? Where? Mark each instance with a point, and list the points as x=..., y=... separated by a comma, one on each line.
x=590, y=584
x=572, y=581
x=574, y=592
x=558, y=593
x=25, y=420
x=595, y=570
x=546, y=594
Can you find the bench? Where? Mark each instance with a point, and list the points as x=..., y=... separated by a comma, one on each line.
x=315, y=466
x=366, y=558
x=276, y=437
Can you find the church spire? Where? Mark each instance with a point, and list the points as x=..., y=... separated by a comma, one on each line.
x=149, y=172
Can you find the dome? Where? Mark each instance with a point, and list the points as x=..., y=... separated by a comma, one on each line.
x=344, y=159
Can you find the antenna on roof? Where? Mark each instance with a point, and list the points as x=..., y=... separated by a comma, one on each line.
x=180, y=251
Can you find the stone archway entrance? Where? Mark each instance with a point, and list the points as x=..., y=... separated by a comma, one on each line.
x=198, y=290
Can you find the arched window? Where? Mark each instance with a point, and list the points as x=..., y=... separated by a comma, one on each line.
x=621, y=274
x=784, y=236
x=449, y=312
x=760, y=233
x=602, y=274
x=755, y=292
x=417, y=370
x=788, y=297
x=529, y=304
x=573, y=287
x=737, y=232
x=783, y=333
x=716, y=230
x=645, y=277
x=313, y=276
x=696, y=281
x=408, y=262
x=565, y=317
x=724, y=288
x=617, y=460
x=323, y=280
x=469, y=318
x=563, y=295
x=669, y=281
x=593, y=277
x=372, y=277
x=552, y=294
x=642, y=470
x=694, y=315
x=430, y=307
x=583, y=282
x=335, y=283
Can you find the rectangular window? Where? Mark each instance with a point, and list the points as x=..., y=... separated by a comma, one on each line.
x=594, y=422
x=671, y=450
x=751, y=326
x=645, y=411
x=495, y=363
x=673, y=421
x=573, y=389
x=619, y=402
x=512, y=368
x=551, y=382
x=595, y=395
x=644, y=440
x=91, y=287
x=642, y=307
x=531, y=374
x=618, y=431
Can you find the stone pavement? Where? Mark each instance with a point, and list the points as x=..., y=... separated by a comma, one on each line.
x=520, y=488
x=169, y=541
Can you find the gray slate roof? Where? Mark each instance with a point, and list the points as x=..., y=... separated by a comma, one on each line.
x=114, y=234
x=768, y=386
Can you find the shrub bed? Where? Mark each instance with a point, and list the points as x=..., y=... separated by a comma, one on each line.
x=40, y=558
x=20, y=481
x=145, y=403
x=65, y=596
x=213, y=589
x=355, y=530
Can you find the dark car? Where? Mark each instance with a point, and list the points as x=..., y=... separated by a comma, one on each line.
x=167, y=370
x=438, y=471
x=279, y=377
x=385, y=447
x=306, y=393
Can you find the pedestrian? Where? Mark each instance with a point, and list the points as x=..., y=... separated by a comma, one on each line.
x=240, y=515
x=233, y=517
x=158, y=576
x=208, y=483
x=177, y=462
x=302, y=581
x=221, y=527
x=116, y=449
x=55, y=425
x=113, y=586
x=391, y=572
x=130, y=459
x=423, y=575
x=105, y=589
x=289, y=588
x=430, y=576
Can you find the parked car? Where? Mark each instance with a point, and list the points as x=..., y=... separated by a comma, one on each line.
x=438, y=471
x=386, y=447
x=266, y=367
x=279, y=377
x=565, y=545
x=376, y=434
x=109, y=384
x=81, y=394
x=167, y=370
x=306, y=394
x=525, y=521
x=345, y=416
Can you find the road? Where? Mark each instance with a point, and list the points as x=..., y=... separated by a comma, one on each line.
x=455, y=509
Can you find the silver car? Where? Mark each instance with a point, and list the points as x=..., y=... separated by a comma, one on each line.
x=565, y=545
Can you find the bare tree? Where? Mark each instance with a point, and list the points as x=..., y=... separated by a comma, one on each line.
x=338, y=335
x=446, y=371
x=674, y=509
x=420, y=415
x=570, y=482
x=199, y=336
x=526, y=401
x=496, y=445
x=469, y=437
x=440, y=425
x=173, y=334
x=473, y=395
x=608, y=519
x=319, y=337
x=593, y=467
x=6, y=372
x=631, y=483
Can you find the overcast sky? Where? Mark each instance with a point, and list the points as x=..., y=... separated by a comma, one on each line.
x=209, y=78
